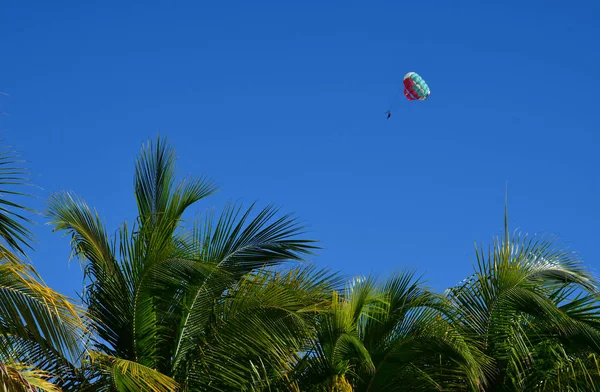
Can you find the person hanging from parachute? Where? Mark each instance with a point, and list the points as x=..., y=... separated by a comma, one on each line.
x=415, y=89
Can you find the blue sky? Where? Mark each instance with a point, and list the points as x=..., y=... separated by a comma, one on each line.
x=283, y=102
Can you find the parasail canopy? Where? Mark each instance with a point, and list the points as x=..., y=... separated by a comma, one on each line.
x=415, y=87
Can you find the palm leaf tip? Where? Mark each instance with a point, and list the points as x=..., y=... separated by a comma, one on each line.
x=157, y=195
x=13, y=223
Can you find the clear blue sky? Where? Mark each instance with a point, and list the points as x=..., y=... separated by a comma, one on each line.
x=283, y=102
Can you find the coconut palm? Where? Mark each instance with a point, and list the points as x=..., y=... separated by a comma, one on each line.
x=527, y=319
x=388, y=336
x=200, y=308
x=39, y=328
x=532, y=308
x=211, y=308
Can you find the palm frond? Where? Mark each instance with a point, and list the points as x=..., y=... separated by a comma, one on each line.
x=109, y=293
x=24, y=378
x=13, y=222
x=159, y=200
x=266, y=317
x=236, y=247
x=31, y=310
x=125, y=375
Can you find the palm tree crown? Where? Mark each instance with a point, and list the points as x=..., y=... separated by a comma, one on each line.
x=170, y=305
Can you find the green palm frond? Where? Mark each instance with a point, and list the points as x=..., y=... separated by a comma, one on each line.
x=124, y=375
x=236, y=246
x=241, y=243
x=89, y=241
x=265, y=317
x=337, y=351
x=159, y=200
x=393, y=335
x=108, y=294
x=31, y=310
x=40, y=329
x=415, y=345
x=558, y=368
x=13, y=222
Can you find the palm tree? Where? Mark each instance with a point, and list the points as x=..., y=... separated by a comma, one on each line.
x=387, y=337
x=532, y=309
x=39, y=328
x=201, y=308
x=212, y=308
x=527, y=319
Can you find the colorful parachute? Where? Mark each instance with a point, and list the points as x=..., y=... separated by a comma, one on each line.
x=415, y=87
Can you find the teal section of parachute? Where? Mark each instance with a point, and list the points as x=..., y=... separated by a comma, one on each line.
x=415, y=83
x=421, y=83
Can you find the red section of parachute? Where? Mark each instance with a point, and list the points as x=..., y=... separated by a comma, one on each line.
x=409, y=90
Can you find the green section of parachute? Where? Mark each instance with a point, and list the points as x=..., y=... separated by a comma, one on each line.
x=424, y=88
